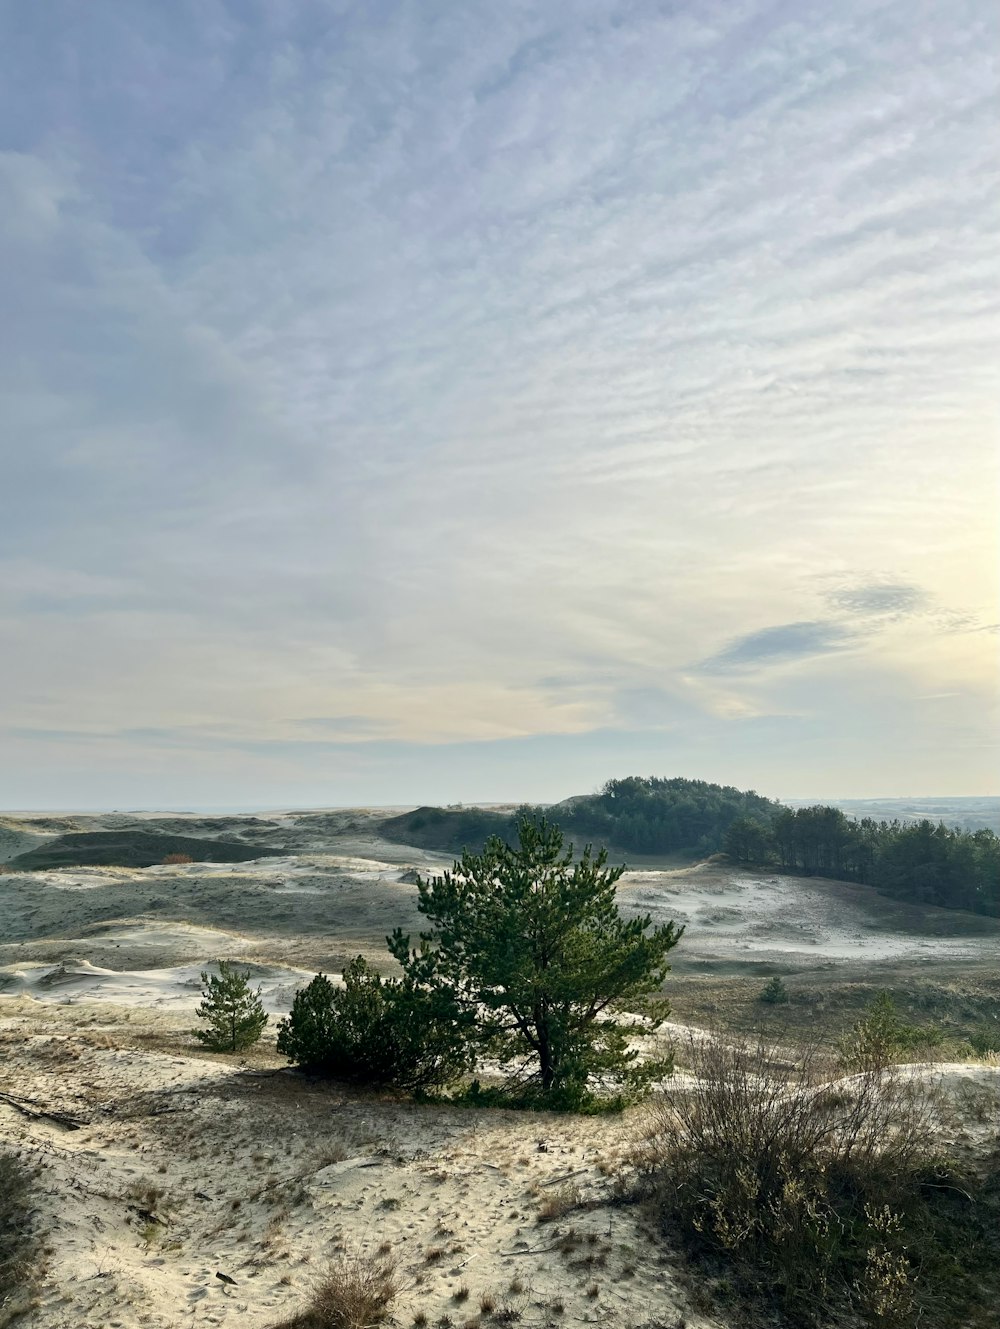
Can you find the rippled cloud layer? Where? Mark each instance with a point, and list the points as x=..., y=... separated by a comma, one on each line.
x=477, y=401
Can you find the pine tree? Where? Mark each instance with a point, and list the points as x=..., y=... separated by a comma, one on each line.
x=232, y=1010
x=774, y=992
x=531, y=945
x=376, y=1031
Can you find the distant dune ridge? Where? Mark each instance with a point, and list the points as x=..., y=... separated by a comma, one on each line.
x=132, y=849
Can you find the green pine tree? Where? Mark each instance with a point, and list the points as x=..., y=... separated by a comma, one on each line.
x=531, y=946
x=375, y=1030
x=231, y=1009
x=774, y=992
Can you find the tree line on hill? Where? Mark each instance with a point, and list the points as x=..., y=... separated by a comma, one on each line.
x=919, y=862
x=656, y=816
x=638, y=815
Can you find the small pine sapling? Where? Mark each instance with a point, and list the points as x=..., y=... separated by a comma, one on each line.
x=232, y=1010
x=774, y=992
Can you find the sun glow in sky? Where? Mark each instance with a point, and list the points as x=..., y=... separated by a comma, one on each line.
x=421, y=402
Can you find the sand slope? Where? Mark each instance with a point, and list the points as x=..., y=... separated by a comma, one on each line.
x=185, y=1167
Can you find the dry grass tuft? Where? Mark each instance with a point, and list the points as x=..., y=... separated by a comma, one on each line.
x=559, y=1203
x=356, y=1292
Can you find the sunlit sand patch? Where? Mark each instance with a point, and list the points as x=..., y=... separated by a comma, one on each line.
x=177, y=987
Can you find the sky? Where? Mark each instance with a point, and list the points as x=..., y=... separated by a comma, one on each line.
x=438, y=402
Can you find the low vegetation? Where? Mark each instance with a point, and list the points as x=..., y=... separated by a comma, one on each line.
x=956, y=1005
x=818, y=1198
x=357, y=1292
x=558, y=1203
x=882, y=1037
x=375, y=1031
x=18, y=1249
x=132, y=849
x=774, y=992
x=985, y=1041
x=450, y=830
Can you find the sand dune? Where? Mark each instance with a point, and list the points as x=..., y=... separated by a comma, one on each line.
x=177, y=987
x=185, y=1167
x=186, y=1164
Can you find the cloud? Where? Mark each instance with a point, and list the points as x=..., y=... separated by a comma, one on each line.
x=378, y=362
x=892, y=600
x=783, y=644
x=327, y=726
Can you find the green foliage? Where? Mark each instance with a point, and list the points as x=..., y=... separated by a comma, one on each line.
x=375, y=1031
x=231, y=1009
x=749, y=841
x=637, y=814
x=525, y=1095
x=823, y=1199
x=774, y=992
x=530, y=947
x=936, y=865
x=655, y=816
x=985, y=1039
x=920, y=862
x=882, y=1036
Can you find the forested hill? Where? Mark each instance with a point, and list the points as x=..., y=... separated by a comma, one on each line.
x=660, y=816
x=924, y=862
x=636, y=815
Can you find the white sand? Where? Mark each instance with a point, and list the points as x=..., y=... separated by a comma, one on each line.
x=266, y=1175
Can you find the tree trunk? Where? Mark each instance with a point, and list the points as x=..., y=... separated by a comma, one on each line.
x=546, y=1064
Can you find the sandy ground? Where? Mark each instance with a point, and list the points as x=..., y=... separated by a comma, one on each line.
x=142, y=936
x=184, y=1167
x=183, y=1164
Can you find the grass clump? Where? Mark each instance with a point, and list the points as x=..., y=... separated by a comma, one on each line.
x=558, y=1203
x=17, y=1245
x=356, y=1292
x=820, y=1199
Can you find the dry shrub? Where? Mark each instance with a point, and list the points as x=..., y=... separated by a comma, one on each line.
x=356, y=1292
x=17, y=1245
x=559, y=1203
x=812, y=1192
x=176, y=858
